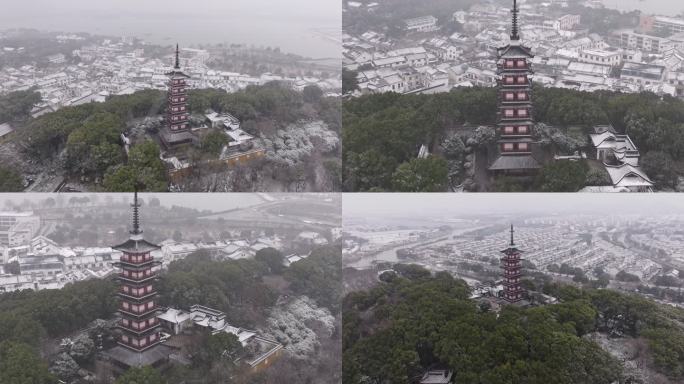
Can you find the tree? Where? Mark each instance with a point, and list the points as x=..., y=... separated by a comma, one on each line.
x=454, y=148
x=213, y=143
x=83, y=348
x=144, y=375
x=627, y=277
x=421, y=175
x=350, y=82
x=177, y=236
x=562, y=176
x=10, y=180
x=65, y=367
x=144, y=167
x=312, y=94
x=660, y=167
x=20, y=365
x=16, y=106
x=272, y=258
x=222, y=346
x=485, y=135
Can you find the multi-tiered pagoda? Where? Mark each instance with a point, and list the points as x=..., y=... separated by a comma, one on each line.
x=515, y=114
x=512, y=272
x=176, y=131
x=138, y=308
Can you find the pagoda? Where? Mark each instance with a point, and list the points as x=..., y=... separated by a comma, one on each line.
x=512, y=272
x=176, y=130
x=138, y=309
x=514, y=114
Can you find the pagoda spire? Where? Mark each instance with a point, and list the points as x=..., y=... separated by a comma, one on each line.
x=177, y=57
x=136, y=231
x=512, y=243
x=514, y=29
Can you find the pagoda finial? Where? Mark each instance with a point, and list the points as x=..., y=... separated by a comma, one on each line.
x=512, y=243
x=177, y=57
x=514, y=29
x=136, y=213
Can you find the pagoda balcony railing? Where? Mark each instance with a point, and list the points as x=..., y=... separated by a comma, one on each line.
x=136, y=266
x=514, y=289
x=129, y=295
x=141, y=279
x=515, y=101
x=140, y=329
x=512, y=274
x=527, y=84
x=512, y=264
x=514, y=135
x=132, y=258
x=516, y=117
x=138, y=347
x=140, y=313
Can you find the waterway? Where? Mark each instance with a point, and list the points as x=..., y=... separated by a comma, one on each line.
x=311, y=28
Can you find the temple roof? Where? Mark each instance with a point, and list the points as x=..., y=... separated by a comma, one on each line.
x=132, y=358
x=511, y=162
x=627, y=175
x=136, y=246
x=515, y=51
x=171, y=137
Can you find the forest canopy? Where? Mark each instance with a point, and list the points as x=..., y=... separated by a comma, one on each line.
x=399, y=329
x=382, y=132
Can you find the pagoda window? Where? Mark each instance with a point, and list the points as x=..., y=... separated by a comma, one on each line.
x=509, y=95
x=143, y=342
x=509, y=129
x=507, y=147
x=508, y=113
x=522, y=129
x=522, y=95
x=124, y=338
x=125, y=322
x=522, y=112
x=135, y=342
x=125, y=305
x=522, y=79
x=510, y=63
x=125, y=288
x=509, y=80
x=150, y=305
x=520, y=63
x=153, y=337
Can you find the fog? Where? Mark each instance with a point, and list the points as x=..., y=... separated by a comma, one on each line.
x=214, y=202
x=306, y=27
x=438, y=205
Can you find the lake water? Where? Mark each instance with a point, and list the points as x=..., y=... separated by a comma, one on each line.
x=662, y=7
x=310, y=28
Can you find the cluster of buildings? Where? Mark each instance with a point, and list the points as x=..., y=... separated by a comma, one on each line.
x=566, y=55
x=261, y=351
x=43, y=264
x=119, y=68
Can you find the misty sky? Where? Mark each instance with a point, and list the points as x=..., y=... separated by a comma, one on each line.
x=439, y=205
x=286, y=24
x=203, y=201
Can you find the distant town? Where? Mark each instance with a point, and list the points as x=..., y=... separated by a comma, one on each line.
x=99, y=67
x=430, y=56
x=649, y=249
